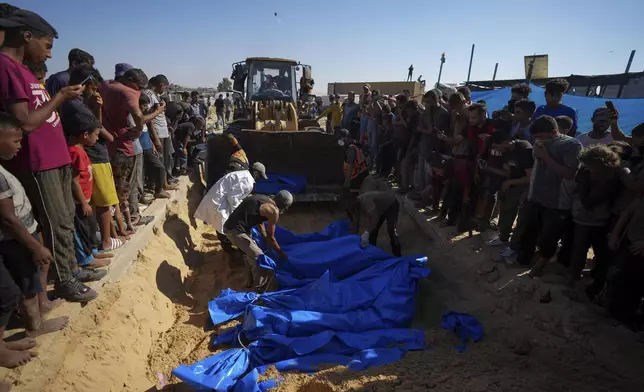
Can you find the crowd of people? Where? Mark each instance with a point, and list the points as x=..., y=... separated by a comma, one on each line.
x=79, y=157
x=525, y=171
x=80, y=154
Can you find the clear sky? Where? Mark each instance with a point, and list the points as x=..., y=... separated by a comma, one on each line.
x=194, y=42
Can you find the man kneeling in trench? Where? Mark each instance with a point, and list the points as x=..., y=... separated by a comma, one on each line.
x=254, y=211
x=378, y=207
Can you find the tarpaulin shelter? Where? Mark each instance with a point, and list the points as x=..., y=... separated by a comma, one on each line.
x=631, y=110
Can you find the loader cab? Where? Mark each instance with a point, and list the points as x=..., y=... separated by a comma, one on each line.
x=271, y=80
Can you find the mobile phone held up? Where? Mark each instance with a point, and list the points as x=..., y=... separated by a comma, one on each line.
x=611, y=108
x=86, y=80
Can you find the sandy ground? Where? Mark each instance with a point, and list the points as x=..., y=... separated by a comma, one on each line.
x=156, y=318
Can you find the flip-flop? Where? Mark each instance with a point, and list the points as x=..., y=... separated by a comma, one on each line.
x=116, y=243
x=144, y=220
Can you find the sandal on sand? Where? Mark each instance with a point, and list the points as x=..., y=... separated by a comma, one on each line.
x=116, y=243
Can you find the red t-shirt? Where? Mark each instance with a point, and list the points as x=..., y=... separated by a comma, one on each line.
x=82, y=167
x=118, y=102
x=476, y=137
x=45, y=148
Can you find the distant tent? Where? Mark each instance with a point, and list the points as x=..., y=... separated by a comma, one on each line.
x=630, y=109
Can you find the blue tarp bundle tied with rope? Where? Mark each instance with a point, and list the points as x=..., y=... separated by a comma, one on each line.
x=342, y=305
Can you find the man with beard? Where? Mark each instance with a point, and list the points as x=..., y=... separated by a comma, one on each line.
x=600, y=133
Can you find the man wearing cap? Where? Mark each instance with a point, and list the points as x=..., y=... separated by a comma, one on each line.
x=43, y=164
x=228, y=193
x=254, y=211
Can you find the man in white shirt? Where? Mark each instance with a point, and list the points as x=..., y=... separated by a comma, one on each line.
x=227, y=193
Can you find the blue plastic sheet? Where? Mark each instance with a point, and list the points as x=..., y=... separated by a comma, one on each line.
x=630, y=109
x=219, y=372
x=350, y=306
x=281, y=182
x=384, y=285
x=309, y=256
x=465, y=326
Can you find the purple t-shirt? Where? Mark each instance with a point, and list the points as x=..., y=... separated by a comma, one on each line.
x=45, y=148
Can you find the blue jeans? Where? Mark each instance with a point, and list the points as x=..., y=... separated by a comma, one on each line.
x=372, y=133
x=363, y=127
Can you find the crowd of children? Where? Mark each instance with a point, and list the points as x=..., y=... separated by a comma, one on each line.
x=525, y=171
x=78, y=155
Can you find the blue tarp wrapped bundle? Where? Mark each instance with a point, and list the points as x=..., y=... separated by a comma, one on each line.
x=630, y=109
x=310, y=255
x=281, y=182
x=346, y=305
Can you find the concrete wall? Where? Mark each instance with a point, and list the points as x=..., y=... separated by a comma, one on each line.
x=387, y=88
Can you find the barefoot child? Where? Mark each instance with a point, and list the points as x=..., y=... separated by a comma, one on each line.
x=24, y=261
x=83, y=130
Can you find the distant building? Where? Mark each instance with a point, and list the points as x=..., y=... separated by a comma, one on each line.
x=386, y=88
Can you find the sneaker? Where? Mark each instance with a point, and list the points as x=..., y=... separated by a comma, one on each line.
x=89, y=275
x=508, y=252
x=73, y=290
x=496, y=242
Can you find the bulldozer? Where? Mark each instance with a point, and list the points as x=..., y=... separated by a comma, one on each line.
x=272, y=129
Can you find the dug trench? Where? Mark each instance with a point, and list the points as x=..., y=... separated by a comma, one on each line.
x=156, y=318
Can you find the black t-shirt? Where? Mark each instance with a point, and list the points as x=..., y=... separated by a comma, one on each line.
x=519, y=159
x=246, y=215
x=183, y=130
x=98, y=152
x=219, y=105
